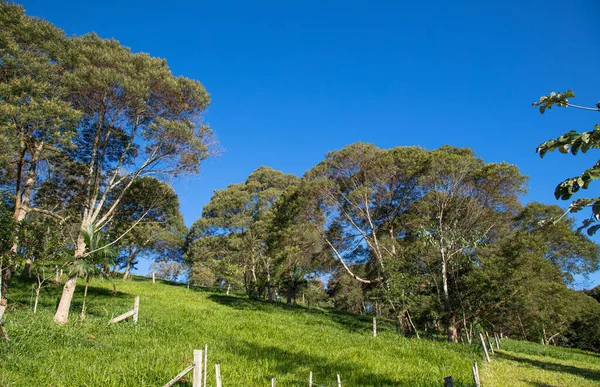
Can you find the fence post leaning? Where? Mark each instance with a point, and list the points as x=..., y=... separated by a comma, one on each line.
x=339, y=380
x=476, y=374
x=487, y=355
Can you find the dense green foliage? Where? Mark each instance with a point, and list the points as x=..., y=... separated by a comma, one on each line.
x=436, y=240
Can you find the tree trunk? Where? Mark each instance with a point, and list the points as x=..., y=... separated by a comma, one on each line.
x=127, y=267
x=450, y=315
x=37, y=296
x=27, y=268
x=62, y=312
x=87, y=282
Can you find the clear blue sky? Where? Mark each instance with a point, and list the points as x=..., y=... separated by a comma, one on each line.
x=291, y=80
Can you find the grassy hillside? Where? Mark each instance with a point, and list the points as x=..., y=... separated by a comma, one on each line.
x=522, y=363
x=253, y=341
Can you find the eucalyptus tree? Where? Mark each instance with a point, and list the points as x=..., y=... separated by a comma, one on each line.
x=161, y=234
x=466, y=202
x=295, y=248
x=230, y=237
x=138, y=120
x=360, y=197
x=36, y=118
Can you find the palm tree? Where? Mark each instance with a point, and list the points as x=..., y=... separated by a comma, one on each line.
x=99, y=255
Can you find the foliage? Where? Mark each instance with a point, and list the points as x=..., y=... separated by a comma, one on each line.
x=573, y=142
x=230, y=239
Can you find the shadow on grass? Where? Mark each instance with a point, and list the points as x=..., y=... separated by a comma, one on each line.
x=540, y=384
x=287, y=364
x=554, y=367
x=348, y=321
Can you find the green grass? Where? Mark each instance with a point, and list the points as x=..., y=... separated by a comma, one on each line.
x=522, y=363
x=252, y=340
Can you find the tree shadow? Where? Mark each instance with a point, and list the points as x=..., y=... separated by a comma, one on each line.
x=287, y=364
x=540, y=384
x=554, y=367
x=348, y=321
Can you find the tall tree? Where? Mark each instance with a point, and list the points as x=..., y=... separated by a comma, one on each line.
x=466, y=200
x=230, y=237
x=138, y=120
x=35, y=116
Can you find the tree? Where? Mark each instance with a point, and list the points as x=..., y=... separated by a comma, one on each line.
x=465, y=200
x=230, y=238
x=161, y=233
x=36, y=118
x=138, y=120
x=359, y=196
x=295, y=248
x=574, y=142
x=168, y=270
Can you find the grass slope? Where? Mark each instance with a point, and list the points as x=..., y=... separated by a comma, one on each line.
x=253, y=341
x=521, y=363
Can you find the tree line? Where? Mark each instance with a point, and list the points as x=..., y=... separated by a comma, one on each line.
x=435, y=239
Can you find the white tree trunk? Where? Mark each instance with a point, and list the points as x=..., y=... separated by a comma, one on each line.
x=62, y=312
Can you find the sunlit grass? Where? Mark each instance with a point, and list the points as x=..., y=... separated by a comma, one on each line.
x=522, y=363
x=252, y=340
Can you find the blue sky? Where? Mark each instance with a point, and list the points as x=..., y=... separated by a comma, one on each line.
x=291, y=80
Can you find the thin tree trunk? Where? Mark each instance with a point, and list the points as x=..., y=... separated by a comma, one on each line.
x=27, y=268
x=450, y=316
x=87, y=282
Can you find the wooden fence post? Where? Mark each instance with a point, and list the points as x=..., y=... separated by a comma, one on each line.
x=136, y=309
x=339, y=380
x=497, y=341
x=205, y=363
x=487, y=355
x=448, y=381
x=489, y=342
x=273, y=384
x=153, y=279
x=374, y=327
x=197, y=381
x=179, y=376
x=218, y=374
x=476, y=374
x=310, y=379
